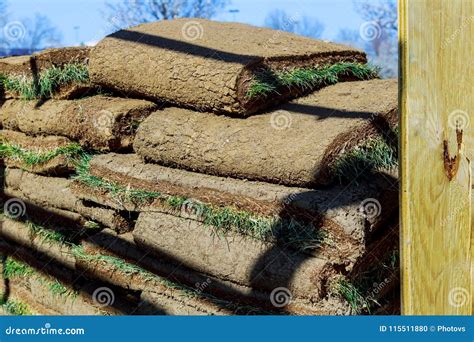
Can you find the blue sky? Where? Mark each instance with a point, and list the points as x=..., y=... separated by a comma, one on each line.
x=82, y=20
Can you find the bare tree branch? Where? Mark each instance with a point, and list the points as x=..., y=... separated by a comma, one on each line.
x=39, y=34
x=305, y=26
x=382, y=45
x=133, y=12
x=27, y=35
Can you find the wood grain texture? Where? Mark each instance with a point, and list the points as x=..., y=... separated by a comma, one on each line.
x=436, y=106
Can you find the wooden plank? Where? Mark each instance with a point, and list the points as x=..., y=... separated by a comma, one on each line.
x=436, y=102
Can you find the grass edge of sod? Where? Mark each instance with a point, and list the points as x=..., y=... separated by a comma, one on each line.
x=49, y=235
x=224, y=220
x=266, y=82
x=33, y=158
x=16, y=269
x=48, y=82
x=13, y=268
x=15, y=307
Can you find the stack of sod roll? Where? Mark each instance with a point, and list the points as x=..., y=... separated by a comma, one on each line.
x=192, y=167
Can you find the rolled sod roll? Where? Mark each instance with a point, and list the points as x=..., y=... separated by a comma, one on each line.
x=98, y=122
x=21, y=234
x=336, y=209
x=241, y=260
x=159, y=294
x=36, y=291
x=227, y=295
x=28, y=65
x=54, y=192
x=211, y=65
x=298, y=144
x=59, y=73
x=42, y=154
x=50, y=276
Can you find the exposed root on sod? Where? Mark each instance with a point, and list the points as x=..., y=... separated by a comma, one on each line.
x=267, y=82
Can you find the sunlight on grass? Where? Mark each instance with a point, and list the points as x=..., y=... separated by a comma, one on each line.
x=267, y=82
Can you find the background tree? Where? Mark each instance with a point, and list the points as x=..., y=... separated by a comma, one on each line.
x=383, y=15
x=27, y=35
x=133, y=12
x=39, y=34
x=377, y=36
x=304, y=26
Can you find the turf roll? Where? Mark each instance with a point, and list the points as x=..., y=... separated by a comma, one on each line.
x=59, y=73
x=43, y=60
x=227, y=295
x=54, y=192
x=301, y=143
x=234, y=258
x=70, y=277
x=219, y=67
x=262, y=210
x=98, y=122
